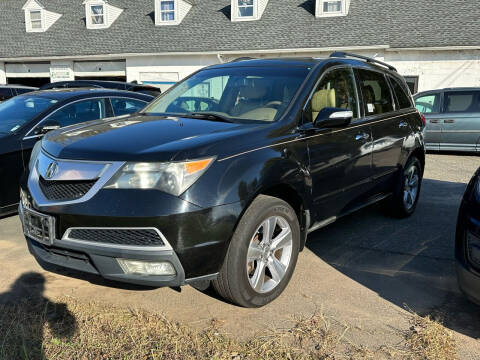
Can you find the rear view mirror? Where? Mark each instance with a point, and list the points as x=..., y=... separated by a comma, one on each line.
x=47, y=127
x=333, y=117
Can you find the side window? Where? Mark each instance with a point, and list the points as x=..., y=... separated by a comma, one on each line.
x=335, y=90
x=80, y=112
x=428, y=103
x=5, y=94
x=122, y=106
x=401, y=93
x=462, y=102
x=377, y=98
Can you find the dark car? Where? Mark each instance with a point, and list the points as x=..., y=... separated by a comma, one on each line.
x=453, y=118
x=223, y=176
x=27, y=118
x=118, y=85
x=9, y=91
x=467, y=249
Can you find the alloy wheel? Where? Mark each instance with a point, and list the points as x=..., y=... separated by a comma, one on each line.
x=410, y=188
x=269, y=254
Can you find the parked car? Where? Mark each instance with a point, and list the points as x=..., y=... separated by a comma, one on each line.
x=118, y=85
x=222, y=177
x=453, y=118
x=27, y=118
x=467, y=249
x=9, y=91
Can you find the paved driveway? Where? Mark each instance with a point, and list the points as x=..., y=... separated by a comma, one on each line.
x=363, y=271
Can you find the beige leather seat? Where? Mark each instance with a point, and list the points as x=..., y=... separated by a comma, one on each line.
x=322, y=99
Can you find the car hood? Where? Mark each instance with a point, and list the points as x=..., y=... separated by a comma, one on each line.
x=143, y=138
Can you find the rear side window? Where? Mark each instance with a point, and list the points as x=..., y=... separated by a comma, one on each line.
x=79, y=112
x=428, y=103
x=21, y=91
x=401, y=94
x=377, y=98
x=123, y=106
x=5, y=94
x=462, y=102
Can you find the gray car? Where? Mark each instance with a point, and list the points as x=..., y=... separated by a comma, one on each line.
x=453, y=118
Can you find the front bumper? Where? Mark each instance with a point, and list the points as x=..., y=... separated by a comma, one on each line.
x=197, y=238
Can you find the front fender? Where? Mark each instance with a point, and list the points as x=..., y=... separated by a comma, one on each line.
x=241, y=178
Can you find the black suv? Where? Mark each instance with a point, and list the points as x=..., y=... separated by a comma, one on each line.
x=222, y=177
x=9, y=91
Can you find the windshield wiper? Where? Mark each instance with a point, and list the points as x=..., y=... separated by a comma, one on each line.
x=208, y=116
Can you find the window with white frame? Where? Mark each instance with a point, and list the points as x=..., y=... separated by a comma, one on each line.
x=97, y=15
x=331, y=7
x=245, y=8
x=36, y=20
x=167, y=10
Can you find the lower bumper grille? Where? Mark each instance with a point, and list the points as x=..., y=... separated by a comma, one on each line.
x=65, y=190
x=128, y=237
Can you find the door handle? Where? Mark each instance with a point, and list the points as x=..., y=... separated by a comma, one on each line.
x=362, y=136
x=450, y=121
x=403, y=124
x=435, y=121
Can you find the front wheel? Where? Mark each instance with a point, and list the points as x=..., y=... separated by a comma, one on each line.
x=262, y=254
x=407, y=191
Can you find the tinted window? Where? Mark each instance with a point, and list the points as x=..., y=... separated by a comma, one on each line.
x=79, y=112
x=5, y=94
x=377, y=98
x=17, y=111
x=462, y=101
x=335, y=90
x=235, y=93
x=23, y=91
x=401, y=94
x=428, y=103
x=126, y=106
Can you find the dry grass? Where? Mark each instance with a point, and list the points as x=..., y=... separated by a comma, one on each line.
x=430, y=340
x=48, y=330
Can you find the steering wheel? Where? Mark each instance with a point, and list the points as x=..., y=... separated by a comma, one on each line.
x=193, y=104
x=274, y=104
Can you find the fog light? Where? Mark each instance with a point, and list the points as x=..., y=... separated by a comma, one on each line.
x=473, y=246
x=137, y=267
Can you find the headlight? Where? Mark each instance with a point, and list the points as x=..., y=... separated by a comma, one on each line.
x=173, y=178
x=33, y=157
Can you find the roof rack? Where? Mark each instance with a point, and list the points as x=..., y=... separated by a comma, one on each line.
x=341, y=54
x=243, y=59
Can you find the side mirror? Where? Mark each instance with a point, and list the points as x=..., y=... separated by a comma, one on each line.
x=333, y=117
x=47, y=126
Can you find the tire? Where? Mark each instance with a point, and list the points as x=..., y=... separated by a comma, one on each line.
x=238, y=276
x=404, y=200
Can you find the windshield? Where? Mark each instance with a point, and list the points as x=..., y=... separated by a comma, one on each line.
x=235, y=94
x=18, y=111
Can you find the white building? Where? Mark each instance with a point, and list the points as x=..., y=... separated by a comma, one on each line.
x=435, y=44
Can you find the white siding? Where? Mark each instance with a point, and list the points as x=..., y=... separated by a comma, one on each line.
x=183, y=9
x=50, y=18
x=3, y=76
x=112, y=14
x=262, y=4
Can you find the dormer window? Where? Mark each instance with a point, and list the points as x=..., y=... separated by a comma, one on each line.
x=36, y=20
x=167, y=10
x=99, y=14
x=326, y=8
x=171, y=12
x=248, y=10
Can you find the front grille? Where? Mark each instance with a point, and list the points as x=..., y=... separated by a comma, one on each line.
x=131, y=237
x=65, y=190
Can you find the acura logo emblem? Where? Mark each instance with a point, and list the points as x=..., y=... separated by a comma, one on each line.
x=52, y=170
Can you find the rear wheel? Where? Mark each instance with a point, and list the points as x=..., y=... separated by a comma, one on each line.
x=407, y=190
x=262, y=254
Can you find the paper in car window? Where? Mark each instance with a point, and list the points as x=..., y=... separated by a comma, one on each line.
x=371, y=108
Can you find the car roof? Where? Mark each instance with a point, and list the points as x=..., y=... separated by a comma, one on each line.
x=13, y=86
x=63, y=94
x=302, y=62
x=97, y=82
